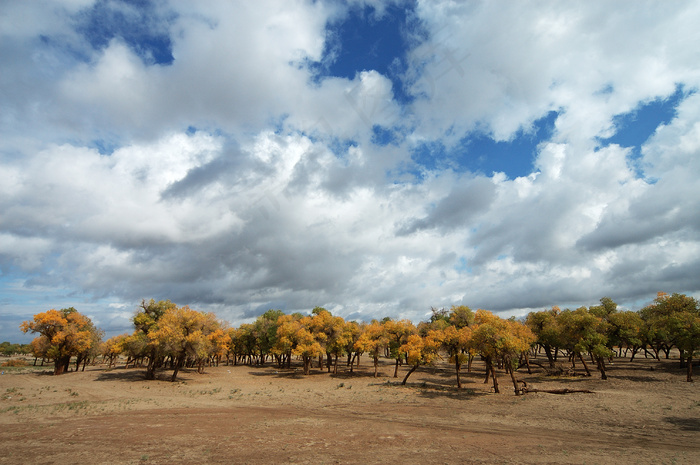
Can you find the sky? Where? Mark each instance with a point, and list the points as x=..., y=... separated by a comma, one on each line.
x=375, y=158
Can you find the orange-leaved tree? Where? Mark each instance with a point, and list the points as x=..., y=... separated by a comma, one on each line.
x=421, y=350
x=397, y=332
x=295, y=338
x=501, y=340
x=373, y=340
x=331, y=332
x=63, y=334
x=353, y=330
x=112, y=348
x=182, y=333
x=456, y=342
x=146, y=322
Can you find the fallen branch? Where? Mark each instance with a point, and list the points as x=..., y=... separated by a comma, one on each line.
x=524, y=390
x=557, y=391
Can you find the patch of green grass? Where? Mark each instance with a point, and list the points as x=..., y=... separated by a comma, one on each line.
x=203, y=392
x=10, y=393
x=78, y=405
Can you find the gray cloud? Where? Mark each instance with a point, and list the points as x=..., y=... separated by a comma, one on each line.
x=259, y=207
x=457, y=209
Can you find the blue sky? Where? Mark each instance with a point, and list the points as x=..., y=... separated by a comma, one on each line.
x=377, y=158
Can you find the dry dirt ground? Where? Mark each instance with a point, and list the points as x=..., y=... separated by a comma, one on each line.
x=644, y=413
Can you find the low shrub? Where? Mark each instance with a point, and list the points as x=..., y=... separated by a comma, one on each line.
x=16, y=362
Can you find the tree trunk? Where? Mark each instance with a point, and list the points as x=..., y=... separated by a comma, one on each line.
x=376, y=363
x=413, y=368
x=178, y=362
x=585, y=367
x=495, y=380
x=335, y=365
x=396, y=370
x=151, y=367
x=457, y=367
x=61, y=365
x=634, y=352
x=550, y=357
x=512, y=377
x=601, y=367
x=689, y=368
x=527, y=363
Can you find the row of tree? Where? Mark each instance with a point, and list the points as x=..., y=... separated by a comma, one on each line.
x=168, y=336
x=9, y=349
x=670, y=321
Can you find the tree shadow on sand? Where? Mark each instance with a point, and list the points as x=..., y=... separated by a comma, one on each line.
x=686, y=424
x=432, y=390
x=298, y=372
x=136, y=375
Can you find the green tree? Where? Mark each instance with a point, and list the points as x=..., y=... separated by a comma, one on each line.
x=625, y=331
x=460, y=316
x=586, y=333
x=545, y=326
x=264, y=331
x=671, y=320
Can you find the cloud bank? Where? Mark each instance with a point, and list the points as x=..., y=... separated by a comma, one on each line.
x=207, y=154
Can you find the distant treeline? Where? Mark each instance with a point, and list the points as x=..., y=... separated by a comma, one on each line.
x=170, y=337
x=9, y=349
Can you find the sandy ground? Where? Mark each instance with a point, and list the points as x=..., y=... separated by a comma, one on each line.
x=644, y=413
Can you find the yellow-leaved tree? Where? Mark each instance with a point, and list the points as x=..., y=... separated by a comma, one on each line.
x=63, y=334
x=373, y=340
x=184, y=333
x=397, y=332
x=501, y=340
x=421, y=350
x=294, y=337
x=456, y=342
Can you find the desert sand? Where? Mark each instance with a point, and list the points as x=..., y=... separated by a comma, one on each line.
x=645, y=413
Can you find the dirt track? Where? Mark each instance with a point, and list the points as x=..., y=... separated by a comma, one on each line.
x=265, y=415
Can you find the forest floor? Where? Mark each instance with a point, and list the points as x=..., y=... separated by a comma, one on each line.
x=644, y=413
